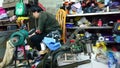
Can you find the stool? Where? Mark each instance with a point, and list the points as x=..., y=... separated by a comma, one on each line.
x=24, y=56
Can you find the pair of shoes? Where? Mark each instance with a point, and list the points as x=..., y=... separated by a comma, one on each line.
x=44, y=52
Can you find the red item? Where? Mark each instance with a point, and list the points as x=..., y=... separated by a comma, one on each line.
x=100, y=23
x=41, y=6
x=33, y=66
x=118, y=21
x=114, y=49
x=72, y=41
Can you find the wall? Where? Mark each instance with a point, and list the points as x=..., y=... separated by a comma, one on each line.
x=51, y=5
x=1, y=1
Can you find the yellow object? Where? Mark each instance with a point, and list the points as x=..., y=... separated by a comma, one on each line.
x=101, y=45
x=20, y=19
x=118, y=27
x=42, y=52
x=61, y=18
x=81, y=35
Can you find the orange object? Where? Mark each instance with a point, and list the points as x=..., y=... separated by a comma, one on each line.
x=61, y=18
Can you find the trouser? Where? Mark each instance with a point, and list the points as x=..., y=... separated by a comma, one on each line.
x=36, y=39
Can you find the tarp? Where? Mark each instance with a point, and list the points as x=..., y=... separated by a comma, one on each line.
x=8, y=54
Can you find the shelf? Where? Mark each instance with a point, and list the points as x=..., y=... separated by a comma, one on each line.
x=112, y=42
x=91, y=14
x=7, y=24
x=94, y=27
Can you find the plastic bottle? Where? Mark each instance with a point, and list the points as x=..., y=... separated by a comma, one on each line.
x=99, y=22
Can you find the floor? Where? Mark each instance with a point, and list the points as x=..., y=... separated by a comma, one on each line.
x=93, y=64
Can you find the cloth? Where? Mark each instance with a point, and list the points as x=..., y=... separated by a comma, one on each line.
x=47, y=23
x=8, y=54
x=52, y=40
x=35, y=40
x=4, y=15
x=51, y=43
x=2, y=10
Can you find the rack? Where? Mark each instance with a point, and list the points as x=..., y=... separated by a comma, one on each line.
x=92, y=27
x=92, y=14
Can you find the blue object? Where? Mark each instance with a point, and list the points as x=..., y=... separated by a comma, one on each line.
x=69, y=25
x=117, y=39
x=111, y=60
x=114, y=4
x=51, y=43
x=106, y=2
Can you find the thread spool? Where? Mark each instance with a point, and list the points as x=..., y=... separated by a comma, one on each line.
x=101, y=39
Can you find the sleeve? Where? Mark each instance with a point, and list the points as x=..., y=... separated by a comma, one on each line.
x=41, y=22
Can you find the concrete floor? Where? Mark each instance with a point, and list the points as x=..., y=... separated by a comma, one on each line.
x=80, y=57
x=93, y=64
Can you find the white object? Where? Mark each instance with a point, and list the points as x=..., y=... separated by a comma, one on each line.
x=106, y=2
x=107, y=8
x=43, y=46
x=91, y=14
x=101, y=38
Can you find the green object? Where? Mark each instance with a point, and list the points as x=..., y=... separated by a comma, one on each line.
x=47, y=23
x=20, y=37
x=20, y=8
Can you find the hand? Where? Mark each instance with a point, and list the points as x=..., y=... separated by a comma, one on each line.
x=38, y=31
x=31, y=35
